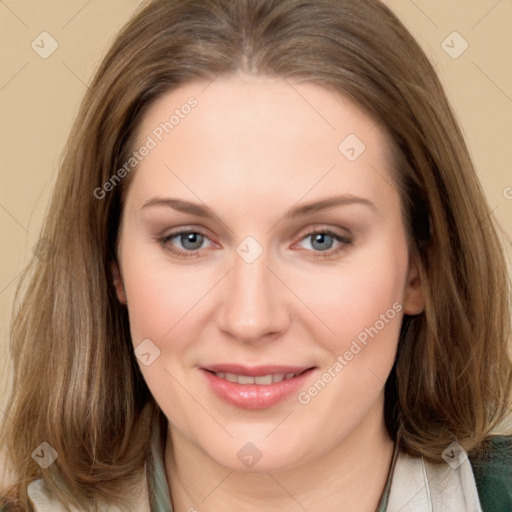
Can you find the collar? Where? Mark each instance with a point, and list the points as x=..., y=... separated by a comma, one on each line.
x=419, y=485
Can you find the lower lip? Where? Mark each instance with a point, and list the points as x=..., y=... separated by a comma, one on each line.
x=255, y=396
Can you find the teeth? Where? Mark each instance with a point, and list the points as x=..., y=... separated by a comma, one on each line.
x=262, y=379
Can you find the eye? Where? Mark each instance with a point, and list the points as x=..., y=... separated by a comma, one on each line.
x=322, y=242
x=189, y=242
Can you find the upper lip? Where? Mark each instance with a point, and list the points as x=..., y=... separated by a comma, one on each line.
x=255, y=371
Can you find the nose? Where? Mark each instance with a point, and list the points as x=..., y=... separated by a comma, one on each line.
x=254, y=305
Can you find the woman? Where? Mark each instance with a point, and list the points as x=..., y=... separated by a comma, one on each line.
x=187, y=343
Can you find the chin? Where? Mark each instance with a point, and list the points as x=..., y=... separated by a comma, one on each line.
x=260, y=457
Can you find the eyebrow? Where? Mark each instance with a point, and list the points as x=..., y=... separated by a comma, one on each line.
x=298, y=211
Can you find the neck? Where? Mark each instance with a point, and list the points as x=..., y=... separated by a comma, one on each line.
x=349, y=476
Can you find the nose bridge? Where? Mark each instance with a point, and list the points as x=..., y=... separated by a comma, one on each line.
x=253, y=304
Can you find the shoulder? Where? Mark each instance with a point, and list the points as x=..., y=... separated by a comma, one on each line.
x=40, y=499
x=10, y=505
x=43, y=499
x=9, y=501
x=492, y=468
x=6, y=506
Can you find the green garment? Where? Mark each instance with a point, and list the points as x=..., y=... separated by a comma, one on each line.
x=493, y=475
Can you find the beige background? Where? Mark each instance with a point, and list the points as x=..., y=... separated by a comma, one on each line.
x=39, y=98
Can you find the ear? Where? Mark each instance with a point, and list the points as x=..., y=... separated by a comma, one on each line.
x=118, y=283
x=414, y=302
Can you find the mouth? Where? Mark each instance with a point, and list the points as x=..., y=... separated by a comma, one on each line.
x=261, y=380
x=255, y=387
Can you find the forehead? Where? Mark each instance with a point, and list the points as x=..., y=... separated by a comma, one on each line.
x=252, y=137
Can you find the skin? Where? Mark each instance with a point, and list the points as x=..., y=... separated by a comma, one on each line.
x=252, y=149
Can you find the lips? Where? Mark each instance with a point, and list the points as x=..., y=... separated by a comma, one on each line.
x=256, y=387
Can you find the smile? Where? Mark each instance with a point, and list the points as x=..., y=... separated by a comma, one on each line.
x=263, y=380
x=265, y=388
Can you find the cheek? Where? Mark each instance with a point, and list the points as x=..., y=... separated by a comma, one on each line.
x=159, y=295
x=363, y=306
x=161, y=303
x=353, y=297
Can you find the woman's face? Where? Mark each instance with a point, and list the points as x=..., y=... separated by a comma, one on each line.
x=294, y=261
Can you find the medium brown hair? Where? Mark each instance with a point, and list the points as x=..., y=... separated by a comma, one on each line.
x=77, y=384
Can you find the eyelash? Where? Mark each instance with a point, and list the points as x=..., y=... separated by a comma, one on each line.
x=330, y=253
